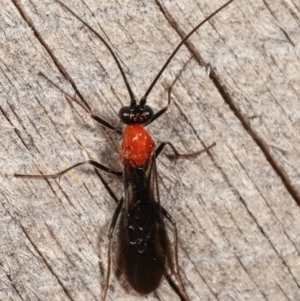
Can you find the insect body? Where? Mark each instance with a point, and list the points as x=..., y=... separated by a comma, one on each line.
x=143, y=244
x=145, y=254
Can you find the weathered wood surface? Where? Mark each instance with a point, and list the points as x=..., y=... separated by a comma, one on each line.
x=237, y=208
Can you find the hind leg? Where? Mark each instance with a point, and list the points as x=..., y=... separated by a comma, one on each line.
x=180, y=290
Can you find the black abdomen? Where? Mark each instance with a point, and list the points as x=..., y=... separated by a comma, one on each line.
x=142, y=252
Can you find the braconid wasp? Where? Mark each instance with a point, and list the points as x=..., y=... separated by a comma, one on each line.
x=145, y=254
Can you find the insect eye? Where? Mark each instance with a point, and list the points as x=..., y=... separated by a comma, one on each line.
x=147, y=113
x=125, y=114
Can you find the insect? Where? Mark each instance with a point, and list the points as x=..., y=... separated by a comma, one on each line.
x=144, y=251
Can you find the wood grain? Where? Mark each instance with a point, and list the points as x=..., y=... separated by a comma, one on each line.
x=237, y=208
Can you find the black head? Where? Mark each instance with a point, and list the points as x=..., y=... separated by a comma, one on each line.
x=136, y=114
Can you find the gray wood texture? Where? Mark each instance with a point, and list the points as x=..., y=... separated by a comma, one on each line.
x=237, y=208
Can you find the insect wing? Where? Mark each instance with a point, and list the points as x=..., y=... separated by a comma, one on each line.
x=143, y=245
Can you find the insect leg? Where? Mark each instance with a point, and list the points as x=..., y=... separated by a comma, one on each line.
x=175, y=287
x=176, y=153
x=110, y=235
x=57, y=175
x=175, y=267
x=169, y=89
x=85, y=107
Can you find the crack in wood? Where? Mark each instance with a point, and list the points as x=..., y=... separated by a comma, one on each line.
x=59, y=66
x=66, y=290
x=231, y=103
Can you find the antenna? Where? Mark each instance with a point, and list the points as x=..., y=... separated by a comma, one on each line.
x=144, y=98
x=132, y=97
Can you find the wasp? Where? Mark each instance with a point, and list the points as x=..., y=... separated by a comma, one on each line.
x=144, y=251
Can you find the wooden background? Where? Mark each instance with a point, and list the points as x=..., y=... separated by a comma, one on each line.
x=237, y=208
